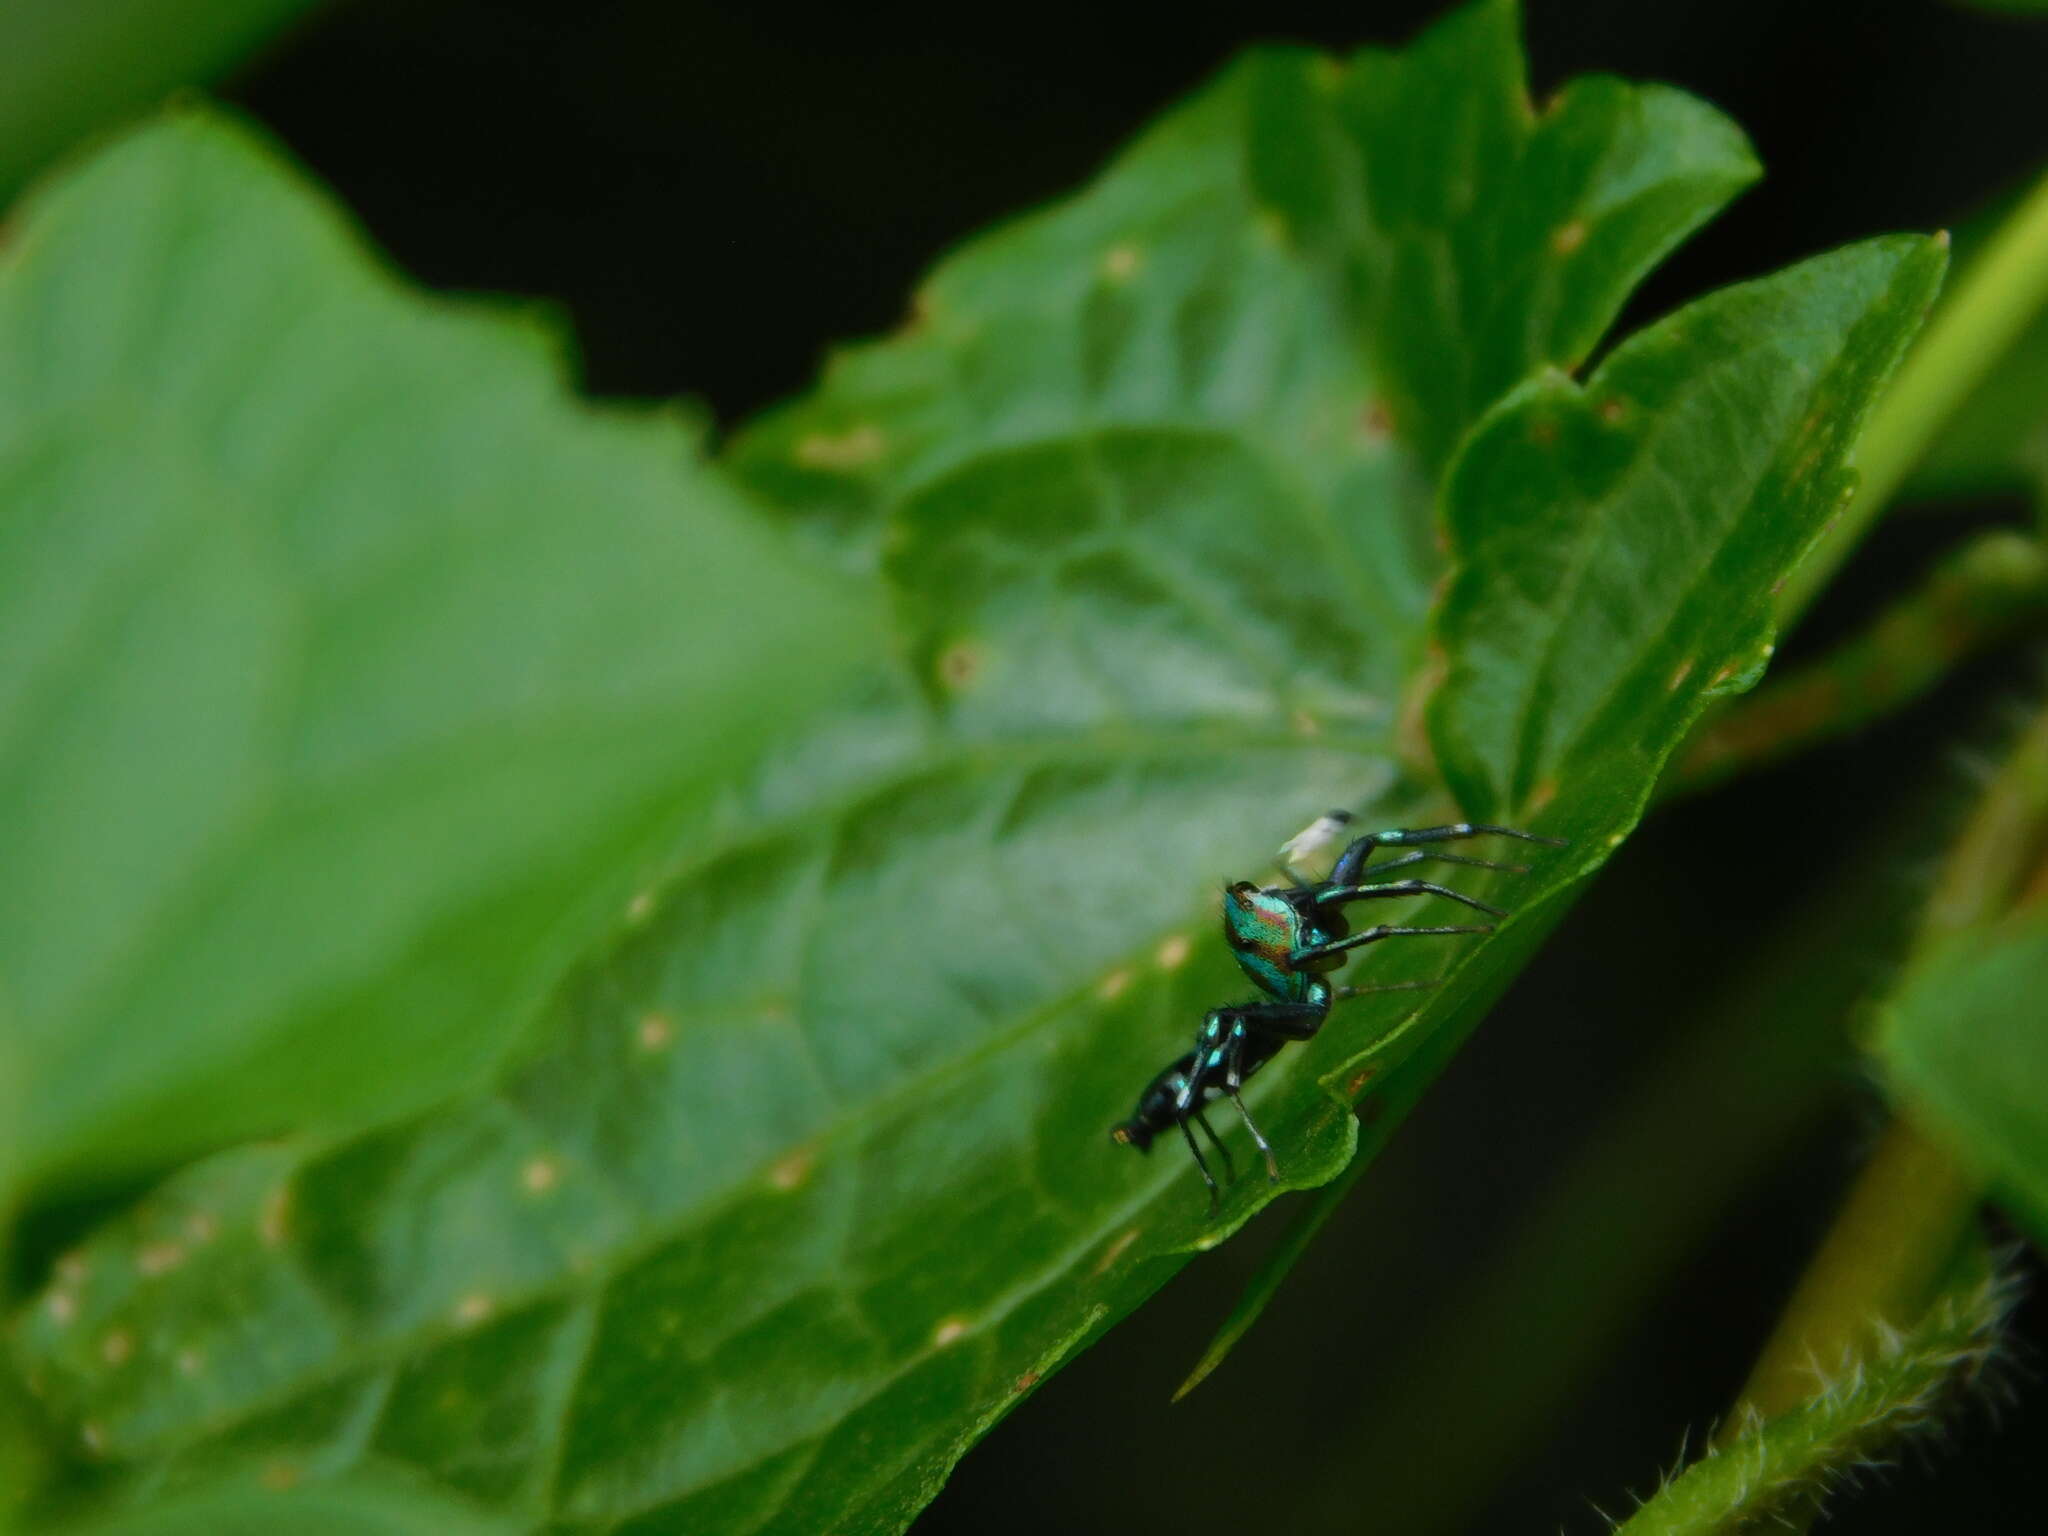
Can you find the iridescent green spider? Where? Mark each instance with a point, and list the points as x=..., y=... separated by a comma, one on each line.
x=1288, y=938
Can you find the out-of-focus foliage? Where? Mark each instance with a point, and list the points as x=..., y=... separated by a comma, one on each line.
x=1965, y=1048
x=68, y=67
x=347, y=667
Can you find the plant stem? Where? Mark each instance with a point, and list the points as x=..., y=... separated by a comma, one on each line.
x=1913, y=1202
x=1878, y=1268
x=1780, y=1469
x=1991, y=304
x=1987, y=869
x=1990, y=589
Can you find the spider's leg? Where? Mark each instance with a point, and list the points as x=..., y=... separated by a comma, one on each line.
x=1338, y=894
x=1208, y=1178
x=1385, y=986
x=1229, y=1167
x=1424, y=856
x=1272, y=1163
x=1373, y=936
x=1233, y=1079
x=1353, y=858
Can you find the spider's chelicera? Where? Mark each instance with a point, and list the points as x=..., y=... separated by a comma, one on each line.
x=1288, y=938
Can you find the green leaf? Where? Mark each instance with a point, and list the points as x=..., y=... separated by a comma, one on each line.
x=806, y=1181
x=262, y=1501
x=346, y=664
x=1321, y=251
x=1610, y=533
x=69, y=69
x=1962, y=1045
x=1499, y=239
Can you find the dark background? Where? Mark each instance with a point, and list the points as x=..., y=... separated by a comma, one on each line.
x=715, y=193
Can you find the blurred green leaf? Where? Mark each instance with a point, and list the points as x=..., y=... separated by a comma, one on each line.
x=1606, y=530
x=1996, y=439
x=1963, y=1045
x=266, y=1500
x=806, y=1182
x=71, y=67
x=346, y=664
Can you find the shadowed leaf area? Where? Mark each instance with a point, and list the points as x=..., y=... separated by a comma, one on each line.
x=804, y=1180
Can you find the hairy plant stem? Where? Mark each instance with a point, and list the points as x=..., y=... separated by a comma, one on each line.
x=1877, y=1269
x=1877, y=1276
x=1773, y=1473
x=1991, y=303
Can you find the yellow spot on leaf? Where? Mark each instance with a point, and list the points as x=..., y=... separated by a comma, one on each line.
x=159, y=1258
x=1173, y=954
x=117, y=1346
x=1115, y=1250
x=793, y=1171
x=655, y=1032
x=1678, y=677
x=1567, y=238
x=541, y=1175
x=1113, y=985
x=1119, y=262
x=62, y=1307
x=189, y=1362
x=641, y=907
x=951, y=1331
x=280, y=1476
x=851, y=449
x=202, y=1226
x=274, y=1224
x=473, y=1309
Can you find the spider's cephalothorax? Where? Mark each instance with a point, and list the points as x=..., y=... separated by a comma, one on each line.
x=1288, y=938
